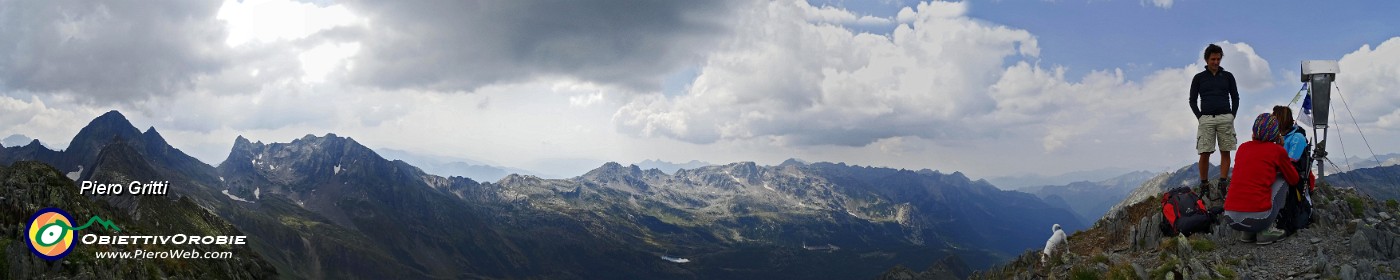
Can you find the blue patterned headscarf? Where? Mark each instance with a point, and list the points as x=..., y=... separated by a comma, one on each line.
x=1266, y=128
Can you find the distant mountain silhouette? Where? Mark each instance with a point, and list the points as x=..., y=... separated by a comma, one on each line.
x=1382, y=183
x=449, y=166
x=1021, y=181
x=1091, y=200
x=671, y=167
x=1359, y=162
x=15, y=140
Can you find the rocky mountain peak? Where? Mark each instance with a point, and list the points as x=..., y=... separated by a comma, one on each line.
x=1353, y=237
x=519, y=180
x=112, y=117
x=745, y=169
x=242, y=150
x=111, y=123
x=14, y=140
x=960, y=175
x=99, y=131
x=240, y=141
x=614, y=170
x=153, y=138
x=793, y=161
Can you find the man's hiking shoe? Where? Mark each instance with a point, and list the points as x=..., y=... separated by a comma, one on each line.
x=1205, y=190
x=1269, y=237
x=1248, y=237
x=1223, y=186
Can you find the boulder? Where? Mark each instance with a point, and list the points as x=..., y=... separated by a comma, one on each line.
x=1141, y=272
x=1375, y=243
x=1145, y=234
x=1361, y=245
x=1347, y=273
x=1198, y=270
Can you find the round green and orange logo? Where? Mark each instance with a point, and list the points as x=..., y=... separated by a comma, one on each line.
x=51, y=233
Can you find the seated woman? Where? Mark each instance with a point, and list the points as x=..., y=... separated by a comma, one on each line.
x=1295, y=141
x=1261, y=177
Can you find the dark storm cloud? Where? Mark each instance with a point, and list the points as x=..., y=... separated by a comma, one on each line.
x=463, y=45
x=108, y=51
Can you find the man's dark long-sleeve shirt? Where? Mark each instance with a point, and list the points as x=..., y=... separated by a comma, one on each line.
x=1217, y=92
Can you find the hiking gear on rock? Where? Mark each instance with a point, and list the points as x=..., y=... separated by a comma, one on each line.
x=1298, y=206
x=1183, y=212
x=1297, y=212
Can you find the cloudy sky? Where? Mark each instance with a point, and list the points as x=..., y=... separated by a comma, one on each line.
x=989, y=88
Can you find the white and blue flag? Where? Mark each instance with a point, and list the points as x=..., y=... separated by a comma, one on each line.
x=1305, y=114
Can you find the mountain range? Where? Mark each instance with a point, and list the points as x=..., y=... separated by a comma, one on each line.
x=1382, y=183
x=1022, y=181
x=15, y=140
x=1361, y=162
x=671, y=167
x=450, y=166
x=329, y=207
x=1091, y=200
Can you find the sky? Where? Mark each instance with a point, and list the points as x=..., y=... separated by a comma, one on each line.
x=987, y=88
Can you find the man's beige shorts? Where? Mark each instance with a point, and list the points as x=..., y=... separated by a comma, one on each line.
x=1212, y=130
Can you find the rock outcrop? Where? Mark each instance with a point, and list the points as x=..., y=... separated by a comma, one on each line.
x=1354, y=237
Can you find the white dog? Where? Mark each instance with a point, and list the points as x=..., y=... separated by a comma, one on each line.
x=1057, y=237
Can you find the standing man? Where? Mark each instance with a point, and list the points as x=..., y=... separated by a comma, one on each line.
x=1214, y=100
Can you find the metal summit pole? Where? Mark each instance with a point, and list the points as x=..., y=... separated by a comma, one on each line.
x=1320, y=74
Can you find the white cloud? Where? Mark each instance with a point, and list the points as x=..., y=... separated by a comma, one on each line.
x=896, y=145
x=322, y=60
x=1369, y=79
x=293, y=27
x=829, y=14
x=808, y=83
x=53, y=123
x=939, y=79
x=1390, y=121
x=1164, y=4
x=1251, y=71
x=586, y=99
x=251, y=21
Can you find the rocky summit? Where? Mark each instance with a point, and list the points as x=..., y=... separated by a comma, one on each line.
x=1355, y=237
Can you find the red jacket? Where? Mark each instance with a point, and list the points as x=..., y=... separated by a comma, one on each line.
x=1257, y=165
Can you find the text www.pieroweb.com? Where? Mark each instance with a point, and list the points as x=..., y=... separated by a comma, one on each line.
x=169, y=254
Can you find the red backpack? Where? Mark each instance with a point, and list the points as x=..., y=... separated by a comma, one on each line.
x=1184, y=212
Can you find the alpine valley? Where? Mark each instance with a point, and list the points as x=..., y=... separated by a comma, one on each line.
x=328, y=207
